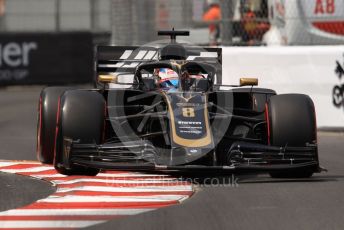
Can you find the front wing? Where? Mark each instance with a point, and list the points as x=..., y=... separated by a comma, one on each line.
x=242, y=157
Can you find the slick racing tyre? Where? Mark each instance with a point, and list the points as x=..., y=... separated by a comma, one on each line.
x=292, y=122
x=81, y=117
x=46, y=124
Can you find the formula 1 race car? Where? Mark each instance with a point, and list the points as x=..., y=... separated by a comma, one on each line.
x=164, y=107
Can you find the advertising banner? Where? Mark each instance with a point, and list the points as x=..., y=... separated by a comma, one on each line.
x=46, y=58
x=317, y=71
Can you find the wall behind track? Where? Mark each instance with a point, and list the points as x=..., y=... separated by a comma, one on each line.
x=317, y=71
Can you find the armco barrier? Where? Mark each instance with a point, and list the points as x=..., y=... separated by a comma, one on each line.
x=316, y=70
x=46, y=58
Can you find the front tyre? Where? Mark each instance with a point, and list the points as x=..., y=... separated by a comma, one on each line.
x=292, y=122
x=81, y=117
x=46, y=125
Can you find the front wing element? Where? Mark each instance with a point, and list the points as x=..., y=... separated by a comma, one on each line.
x=241, y=157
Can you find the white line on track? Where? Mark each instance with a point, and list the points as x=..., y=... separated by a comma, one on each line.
x=9, y=162
x=127, y=189
x=63, y=212
x=47, y=176
x=49, y=224
x=92, y=199
x=133, y=174
x=27, y=170
x=114, y=181
x=5, y=164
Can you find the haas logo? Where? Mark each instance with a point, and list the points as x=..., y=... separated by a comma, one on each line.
x=338, y=90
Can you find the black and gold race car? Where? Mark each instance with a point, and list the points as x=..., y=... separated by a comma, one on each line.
x=163, y=107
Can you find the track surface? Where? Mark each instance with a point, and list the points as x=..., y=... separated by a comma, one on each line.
x=83, y=201
x=256, y=203
x=18, y=191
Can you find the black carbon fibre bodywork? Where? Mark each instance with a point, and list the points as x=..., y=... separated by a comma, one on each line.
x=196, y=125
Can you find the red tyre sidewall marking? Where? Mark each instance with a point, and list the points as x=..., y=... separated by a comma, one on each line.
x=39, y=129
x=57, y=128
x=267, y=121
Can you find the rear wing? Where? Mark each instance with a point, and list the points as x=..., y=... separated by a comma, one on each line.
x=125, y=59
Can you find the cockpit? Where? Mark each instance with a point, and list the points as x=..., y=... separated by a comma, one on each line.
x=169, y=80
x=175, y=76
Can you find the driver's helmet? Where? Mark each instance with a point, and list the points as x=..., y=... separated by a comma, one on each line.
x=189, y=81
x=166, y=78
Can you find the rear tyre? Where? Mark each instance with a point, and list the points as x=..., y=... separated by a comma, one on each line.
x=46, y=125
x=292, y=122
x=81, y=117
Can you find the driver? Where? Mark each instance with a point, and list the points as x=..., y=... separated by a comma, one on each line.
x=166, y=79
x=188, y=81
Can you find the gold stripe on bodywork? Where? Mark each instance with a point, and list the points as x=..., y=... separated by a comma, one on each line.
x=204, y=141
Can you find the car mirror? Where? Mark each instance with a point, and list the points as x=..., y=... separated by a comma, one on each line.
x=108, y=78
x=248, y=81
x=121, y=79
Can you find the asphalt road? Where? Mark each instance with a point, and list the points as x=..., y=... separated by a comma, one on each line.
x=255, y=202
x=17, y=191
